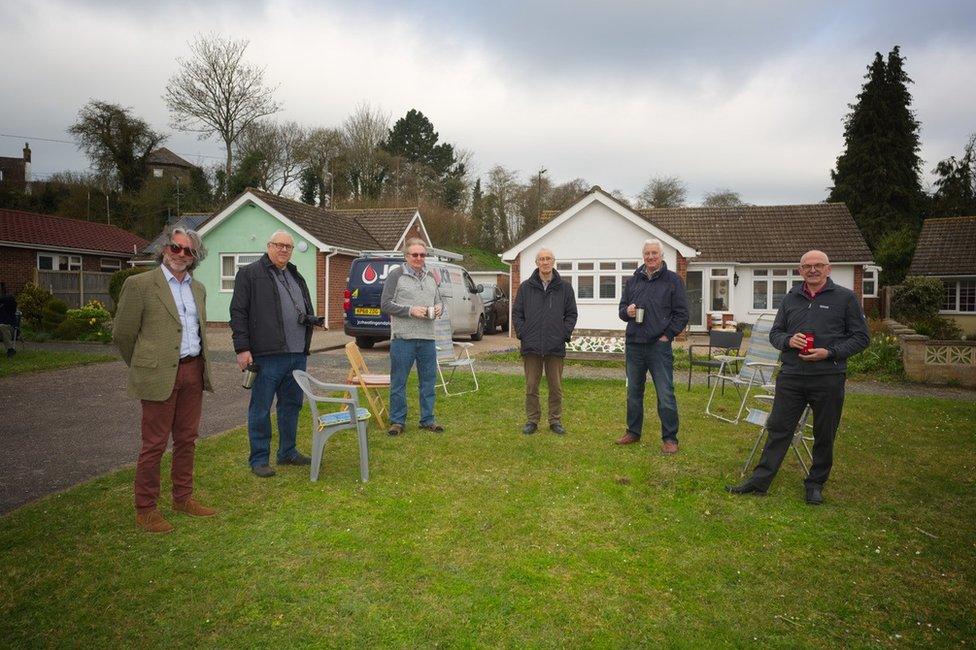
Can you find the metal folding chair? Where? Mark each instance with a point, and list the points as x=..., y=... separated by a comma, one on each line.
x=800, y=443
x=755, y=370
x=324, y=425
x=720, y=344
x=452, y=355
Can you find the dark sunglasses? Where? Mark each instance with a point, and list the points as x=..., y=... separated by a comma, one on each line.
x=186, y=250
x=417, y=254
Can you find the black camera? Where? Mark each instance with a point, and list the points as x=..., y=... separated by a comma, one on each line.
x=311, y=320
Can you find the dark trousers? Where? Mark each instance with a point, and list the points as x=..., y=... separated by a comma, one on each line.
x=535, y=365
x=275, y=381
x=825, y=395
x=179, y=414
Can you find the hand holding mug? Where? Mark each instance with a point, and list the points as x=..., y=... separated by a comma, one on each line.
x=798, y=341
x=418, y=311
x=438, y=310
x=632, y=310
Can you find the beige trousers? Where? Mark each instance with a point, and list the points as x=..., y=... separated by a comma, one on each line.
x=535, y=365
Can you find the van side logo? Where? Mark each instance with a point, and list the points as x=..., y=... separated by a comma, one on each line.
x=369, y=274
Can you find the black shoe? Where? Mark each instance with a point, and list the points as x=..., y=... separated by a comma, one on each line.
x=297, y=459
x=746, y=487
x=557, y=427
x=264, y=471
x=814, y=495
x=529, y=428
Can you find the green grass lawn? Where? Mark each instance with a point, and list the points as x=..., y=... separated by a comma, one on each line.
x=35, y=360
x=484, y=537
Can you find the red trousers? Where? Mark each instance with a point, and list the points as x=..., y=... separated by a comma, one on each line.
x=179, y=414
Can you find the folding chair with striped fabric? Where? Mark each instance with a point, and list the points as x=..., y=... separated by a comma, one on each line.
x=755, y=370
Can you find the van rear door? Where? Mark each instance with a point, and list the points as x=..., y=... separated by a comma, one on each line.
x=366, y=279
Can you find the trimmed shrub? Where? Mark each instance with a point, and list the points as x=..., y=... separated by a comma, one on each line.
x=31, y=301
x=87, y=324
x=119, y=278
x=53, y=314
x=937, y=327
x=918, y=297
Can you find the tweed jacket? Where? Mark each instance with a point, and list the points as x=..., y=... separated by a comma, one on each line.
x=147, y=331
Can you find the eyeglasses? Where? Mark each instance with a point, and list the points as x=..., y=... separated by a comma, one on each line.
x=545, y=259
x=280, y=246
x=812, y=267
x=417, y=254
x=176, y=249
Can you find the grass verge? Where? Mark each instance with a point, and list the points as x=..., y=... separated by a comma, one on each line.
x=484, y=537
x=37, y=360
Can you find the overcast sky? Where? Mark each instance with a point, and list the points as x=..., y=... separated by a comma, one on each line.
x=742, y=95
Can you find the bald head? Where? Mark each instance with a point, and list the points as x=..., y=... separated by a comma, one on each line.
x=815, y=269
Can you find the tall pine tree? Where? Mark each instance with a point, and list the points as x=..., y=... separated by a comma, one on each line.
x=878, y=174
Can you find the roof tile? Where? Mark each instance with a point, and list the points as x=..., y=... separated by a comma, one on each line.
x=21, y=227
x=946, y=246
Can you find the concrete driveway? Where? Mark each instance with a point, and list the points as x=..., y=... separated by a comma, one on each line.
x=64, y=427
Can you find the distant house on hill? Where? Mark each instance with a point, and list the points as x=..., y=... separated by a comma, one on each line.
x=326, y=242
x=736, y=262
x=163, y=163
x=71, y=258
x=946, y=250
x=17, y=171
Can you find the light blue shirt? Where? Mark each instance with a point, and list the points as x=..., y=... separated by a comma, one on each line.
x=187, y=308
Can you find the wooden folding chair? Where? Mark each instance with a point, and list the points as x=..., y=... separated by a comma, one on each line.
x=369, y=383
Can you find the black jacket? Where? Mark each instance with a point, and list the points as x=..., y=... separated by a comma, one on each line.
x=835, y=319
x=255, y=309
x=544, y=318
x=664, y=301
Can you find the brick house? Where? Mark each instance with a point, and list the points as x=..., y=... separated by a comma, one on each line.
x=946, y=250
x=17, y=171
x=36, y=247
x=326, y=242
x=738, y=261
x=163, y=163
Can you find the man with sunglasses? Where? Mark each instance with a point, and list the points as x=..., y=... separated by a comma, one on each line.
x=271, y=317
x=812, y=372
x=410, y=291
x=160, y=329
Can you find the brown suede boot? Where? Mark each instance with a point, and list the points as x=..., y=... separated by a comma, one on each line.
x=152, y=521
x=193, y=508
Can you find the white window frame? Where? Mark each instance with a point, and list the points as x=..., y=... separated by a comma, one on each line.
x=870, y=274
x=238, y=264
x=792, y=277
x=621, y=270
x=955, y=285
x=73, y=262
x=109, y=264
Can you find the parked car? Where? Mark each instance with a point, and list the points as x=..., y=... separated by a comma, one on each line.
x=496, y=308
x=364, y=288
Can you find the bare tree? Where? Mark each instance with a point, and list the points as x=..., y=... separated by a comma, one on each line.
x=663, y=192
x=363, y=132
x=722, y=198
x=503, y=190
x=216, y=91
x=281, y=148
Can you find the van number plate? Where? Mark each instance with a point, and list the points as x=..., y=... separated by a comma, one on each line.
x=367, y=311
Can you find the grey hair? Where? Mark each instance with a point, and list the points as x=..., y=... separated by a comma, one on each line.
x=414, y=241
x=653, y=242
x=544, y=250
x=199, y=252
x=280, y=231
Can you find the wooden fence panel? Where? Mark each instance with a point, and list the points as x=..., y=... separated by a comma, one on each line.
x=76, y=288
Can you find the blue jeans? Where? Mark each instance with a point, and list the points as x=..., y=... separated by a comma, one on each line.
x=273, y=380
x=403, y=352
x=657, y=358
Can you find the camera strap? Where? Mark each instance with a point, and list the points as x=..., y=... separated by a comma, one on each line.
x=280, y=277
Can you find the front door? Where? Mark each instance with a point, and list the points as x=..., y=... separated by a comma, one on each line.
x=693, y=289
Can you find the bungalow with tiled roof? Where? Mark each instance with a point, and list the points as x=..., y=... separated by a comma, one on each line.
x=946, y=250
x=736, y=261
x=163, y=163
x=326, y=242
x=57, y=252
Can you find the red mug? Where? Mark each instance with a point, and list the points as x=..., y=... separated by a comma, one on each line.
x=808, y=345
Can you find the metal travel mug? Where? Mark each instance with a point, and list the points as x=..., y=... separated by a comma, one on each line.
x=430, y=312
x=250, y=374
x=640, y=315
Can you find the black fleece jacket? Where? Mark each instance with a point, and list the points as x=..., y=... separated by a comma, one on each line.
x=835, y=319
x=255, y=309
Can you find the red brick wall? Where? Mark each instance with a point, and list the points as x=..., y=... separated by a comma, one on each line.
x=17, y=267
x=338, y=278
x=320, y=293
x=859, y=283
x=516, y=276
x=682, y=272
